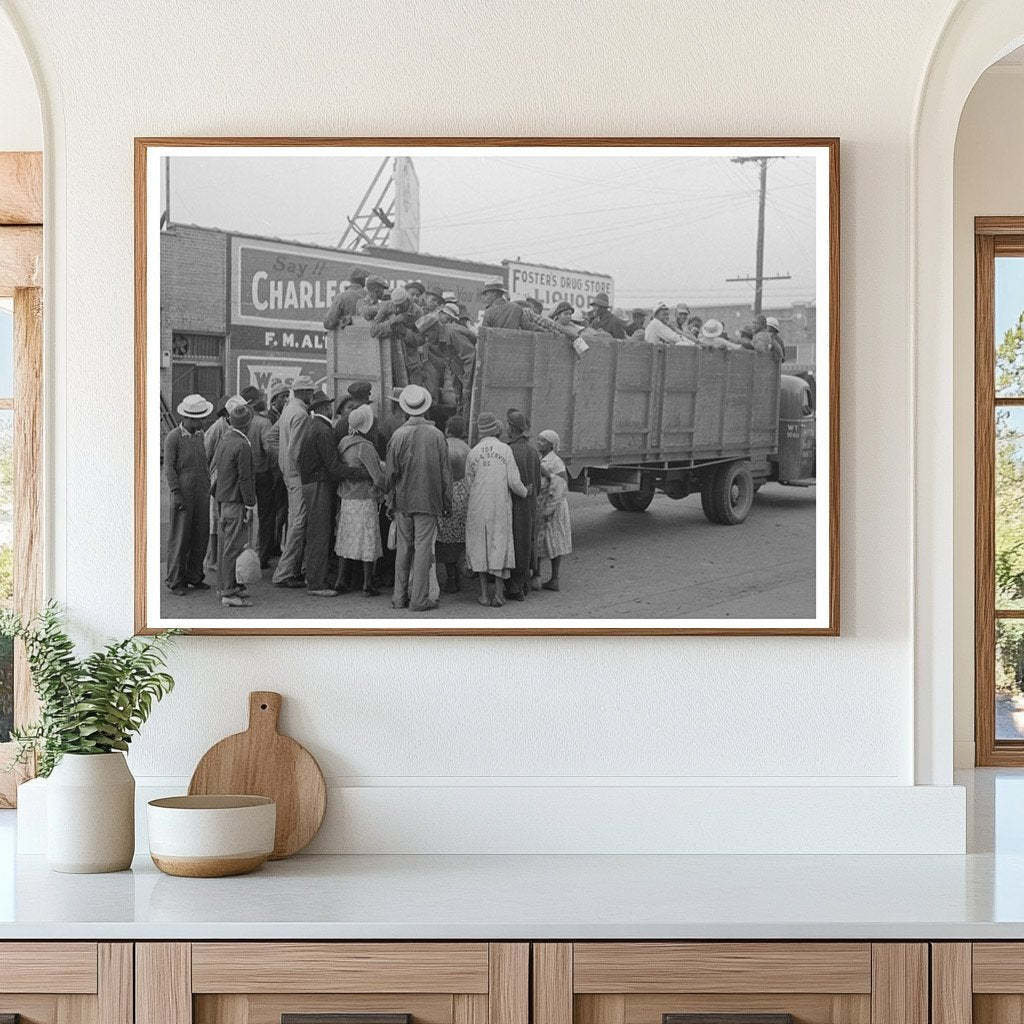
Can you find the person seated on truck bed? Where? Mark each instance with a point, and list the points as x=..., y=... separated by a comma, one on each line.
x=778, y=347
x=396, y=320
x=658, y=332
x=563, y=318
x=679, y=317
x=544, y=324
x=371, y=302
x=603, y=319
x=433, y=300
x=712, y=335
x=463, y=327
x=499, y=312
x=635, y=327
x=346, y=302
x=765, y=341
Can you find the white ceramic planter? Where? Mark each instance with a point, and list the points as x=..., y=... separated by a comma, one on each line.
x=90, y=814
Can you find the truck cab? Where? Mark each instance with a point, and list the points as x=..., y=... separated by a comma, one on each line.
x=795, y=462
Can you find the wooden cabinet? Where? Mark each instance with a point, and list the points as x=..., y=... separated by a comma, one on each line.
x=494, y=983
x=66, y=982
x=750, y=982
x=978, y=983
x=310, y=982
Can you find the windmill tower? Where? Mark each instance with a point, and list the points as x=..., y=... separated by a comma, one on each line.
x=388, y=215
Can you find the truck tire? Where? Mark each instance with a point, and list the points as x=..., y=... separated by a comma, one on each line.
x=636, y=501
x=615, y=500
x=631, y=501
x=728, y=494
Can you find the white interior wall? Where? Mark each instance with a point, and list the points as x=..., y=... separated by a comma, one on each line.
x=431, y=717
x=21, y=126
x=987, y=182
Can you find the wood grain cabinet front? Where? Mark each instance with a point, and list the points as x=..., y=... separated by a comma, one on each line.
x=332, y=983
x=66, y=982
x=730, y=983
x=978, y=982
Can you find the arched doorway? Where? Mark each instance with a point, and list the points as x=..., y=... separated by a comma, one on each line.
x=976, y=34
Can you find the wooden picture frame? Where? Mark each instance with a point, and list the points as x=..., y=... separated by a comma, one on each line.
x=993, y=237
x=826, y=617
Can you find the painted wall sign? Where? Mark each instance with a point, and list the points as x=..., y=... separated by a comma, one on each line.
x=289, y=285
x=556, y=284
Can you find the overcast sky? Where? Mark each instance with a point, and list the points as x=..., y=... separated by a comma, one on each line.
x=664, y=227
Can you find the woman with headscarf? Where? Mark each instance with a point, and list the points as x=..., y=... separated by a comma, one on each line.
x=493, y=478
x=524, y=510
x=451, y=530
x=554, y=530
x=357, y=538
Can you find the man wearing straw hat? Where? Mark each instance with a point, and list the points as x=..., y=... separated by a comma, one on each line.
x=188, y=480
x=418, y=489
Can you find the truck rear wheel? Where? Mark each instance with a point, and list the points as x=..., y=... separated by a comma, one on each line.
x=631, y=501
x=728, y=493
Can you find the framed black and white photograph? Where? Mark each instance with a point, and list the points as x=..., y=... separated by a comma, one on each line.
x=451, y=386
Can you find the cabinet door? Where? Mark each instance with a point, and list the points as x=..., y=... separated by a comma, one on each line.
x=730, y=983
x=332, y=983
x=978, y=983
x=65, y=983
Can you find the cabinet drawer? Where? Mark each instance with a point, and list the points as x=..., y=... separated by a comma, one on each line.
x=65, y=967
x=66, y=982
x=633, y=967
x=730, y=983
x=332, y=983
x=340, y=967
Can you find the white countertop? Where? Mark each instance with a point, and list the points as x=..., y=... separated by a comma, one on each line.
x=977, y=896
x=517, y=897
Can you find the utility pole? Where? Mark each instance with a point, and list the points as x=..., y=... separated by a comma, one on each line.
x=759, y=277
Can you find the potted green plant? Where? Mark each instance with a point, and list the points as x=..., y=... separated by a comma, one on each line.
x=90, y=708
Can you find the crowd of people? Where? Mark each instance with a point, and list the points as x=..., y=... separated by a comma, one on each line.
x=433, y=341
x=347, y=504
x=344, y=503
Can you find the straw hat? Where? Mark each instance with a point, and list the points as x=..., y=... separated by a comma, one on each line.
x=195, y=407
x=414, y=400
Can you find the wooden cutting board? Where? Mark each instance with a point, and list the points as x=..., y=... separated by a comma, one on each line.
x=262, y=762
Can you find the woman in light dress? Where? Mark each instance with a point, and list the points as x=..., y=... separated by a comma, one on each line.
x=357, y=537
x=493, y=477
x=554, y=530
